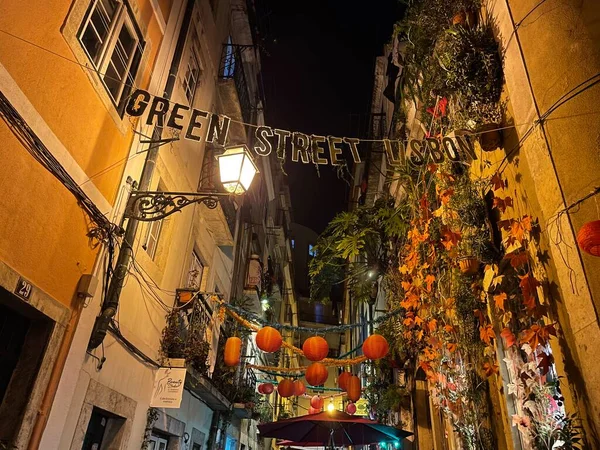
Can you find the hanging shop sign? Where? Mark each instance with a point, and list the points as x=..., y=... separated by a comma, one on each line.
x=168, y=387
x=195, y=124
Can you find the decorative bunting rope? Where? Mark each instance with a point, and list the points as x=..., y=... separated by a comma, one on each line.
x=317, y=331
x=326, y=362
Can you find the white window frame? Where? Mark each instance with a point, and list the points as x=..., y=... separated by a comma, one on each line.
x=121, y=18
x=156, y=441
x=153, y=231
x=191, y=82
x=195, y=264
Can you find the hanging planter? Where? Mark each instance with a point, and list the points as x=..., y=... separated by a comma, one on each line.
x=469, y=265
x=588, y=238
x=490, y=137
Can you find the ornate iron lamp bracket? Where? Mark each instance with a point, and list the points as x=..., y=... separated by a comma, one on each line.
x=149, y=206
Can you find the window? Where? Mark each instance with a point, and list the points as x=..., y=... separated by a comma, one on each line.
x=152, y=236
x=229, y=60
x=195, y=272
x=196, y=447
x=293, y=243
x=102, y=430
x=157, y=443
x=311, y=250
x=194, y=67
x=113, y=43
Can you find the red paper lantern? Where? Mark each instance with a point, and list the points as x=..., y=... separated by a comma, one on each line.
x=316, y=374
x=286, y=388
x=375, y=347
x=350, y=408
x=353, y=388
x=343, y=380
x=312, y=410
x=268, y=339
x=299, y=388
x=260, y=388
x=315, y=348
x=588, y=238
x=316, y=402
x=233, y=346
x=267, y=388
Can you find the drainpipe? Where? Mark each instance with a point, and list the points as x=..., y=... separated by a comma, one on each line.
x=111, y=302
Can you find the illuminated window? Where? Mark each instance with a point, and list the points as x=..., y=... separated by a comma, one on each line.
x=311, y=250
x=112, y=41
x=293, y=243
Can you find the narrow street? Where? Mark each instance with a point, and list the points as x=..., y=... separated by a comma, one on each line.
x=275, y=225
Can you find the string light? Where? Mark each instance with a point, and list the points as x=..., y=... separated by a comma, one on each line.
x=330, y=406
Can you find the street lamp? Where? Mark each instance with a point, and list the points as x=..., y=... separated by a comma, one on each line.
x=236, y=170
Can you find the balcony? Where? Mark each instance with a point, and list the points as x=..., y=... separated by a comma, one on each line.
x=190, y=337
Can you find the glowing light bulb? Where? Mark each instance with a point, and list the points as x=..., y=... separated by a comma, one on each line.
x=330, y=407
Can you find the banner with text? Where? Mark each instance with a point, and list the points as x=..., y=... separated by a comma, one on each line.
x=197, y=125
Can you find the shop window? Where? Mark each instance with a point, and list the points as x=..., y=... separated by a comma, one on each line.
x=112, y=41
x=102, y=430
x=157, y=442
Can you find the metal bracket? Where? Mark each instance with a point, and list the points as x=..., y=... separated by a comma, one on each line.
x=149, y=206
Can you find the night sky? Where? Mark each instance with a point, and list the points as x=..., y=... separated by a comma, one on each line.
x=318, y=71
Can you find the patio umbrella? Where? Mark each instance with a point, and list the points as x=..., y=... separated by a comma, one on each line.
x=331, y=428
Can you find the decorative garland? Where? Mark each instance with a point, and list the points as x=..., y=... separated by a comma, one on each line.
x=250, y=316
x=325, y=362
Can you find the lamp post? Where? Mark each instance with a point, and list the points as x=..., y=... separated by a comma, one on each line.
x=236, y=170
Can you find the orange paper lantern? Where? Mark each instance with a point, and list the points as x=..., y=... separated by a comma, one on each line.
x=267, y=388
x=588, y=238
x=316, y=374
x=315, y=348
x=312, y=410
x=268, y=339
x=375, y=347
x=286, y=388
x=299, y=388
x=353, y=388
x=233, y=347
x=316, y=402
x=343, y=380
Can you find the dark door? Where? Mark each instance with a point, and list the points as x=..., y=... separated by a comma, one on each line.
x=13, y=330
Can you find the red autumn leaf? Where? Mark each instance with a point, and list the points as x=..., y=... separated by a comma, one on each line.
x=518, y=259
x=486, y=334
x=497, y=182
x=545, y=362
x=451, y=346
x=445, y=195
x=432, y=325
x=448, y=328
x=499, y=300
x=509, y=338
x=450, y=238
x=538, y=335
x=480, y=316
x=528, y=287
x=429, y=279
x=490, y=369
x=505, y=224
x=503, y=203
x=520, y=227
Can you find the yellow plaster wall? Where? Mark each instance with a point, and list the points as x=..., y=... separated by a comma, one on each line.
x=42, y=230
